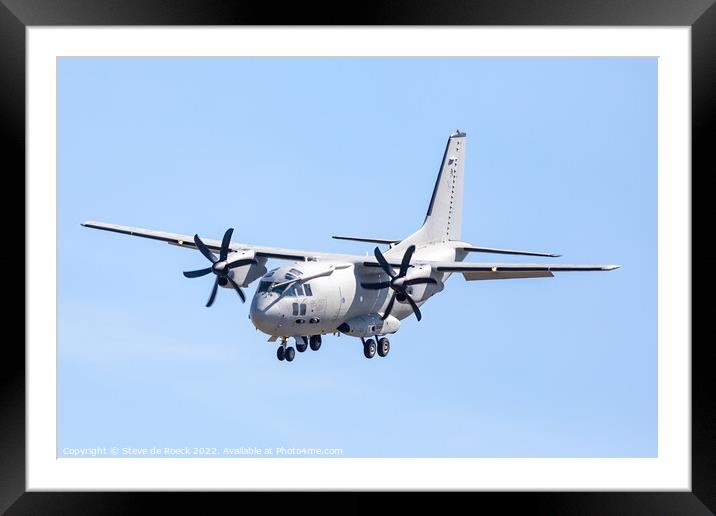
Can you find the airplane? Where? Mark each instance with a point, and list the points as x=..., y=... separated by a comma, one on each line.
x=366, y=297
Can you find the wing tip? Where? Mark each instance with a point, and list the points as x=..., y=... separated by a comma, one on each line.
x=611, y=267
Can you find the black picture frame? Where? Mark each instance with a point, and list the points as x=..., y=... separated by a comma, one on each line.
x=700, y=15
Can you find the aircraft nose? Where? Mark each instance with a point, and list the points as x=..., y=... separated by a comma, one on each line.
x=262, y=314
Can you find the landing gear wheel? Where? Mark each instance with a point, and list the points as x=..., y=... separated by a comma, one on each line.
x=315, y=342
x=280, y=353
x=290, y=354
x=383, y=347
x=301, y=345
x=369, y=348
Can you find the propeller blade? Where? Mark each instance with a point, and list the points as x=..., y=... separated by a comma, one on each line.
x=204, y=250
x=383, y=263
x=405, y=263
x=241, y=263
x=238, y=289
x=389, y=308
x=415, y=308
x=224, y=251
x=376, y=286
x=197, y=274
x=420, y=281
x=213, y=293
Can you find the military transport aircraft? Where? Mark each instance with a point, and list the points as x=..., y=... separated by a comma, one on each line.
x=365, y=297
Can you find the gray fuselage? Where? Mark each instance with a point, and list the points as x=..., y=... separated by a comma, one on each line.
x=334, y=299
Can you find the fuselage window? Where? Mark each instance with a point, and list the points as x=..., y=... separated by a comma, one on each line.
x=303, y=308
x=295, y=309
x=307, y=288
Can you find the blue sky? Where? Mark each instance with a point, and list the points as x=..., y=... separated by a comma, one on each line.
x=561, y=157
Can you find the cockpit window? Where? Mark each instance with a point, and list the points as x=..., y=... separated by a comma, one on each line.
x=278, y=289
x=294, y=289
x=270, y=273
x=268, y=286
x=290, y=276
x=296, y=272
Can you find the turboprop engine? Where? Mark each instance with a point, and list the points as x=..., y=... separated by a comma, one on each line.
x=400, y=283
x=232, y=269
x=253, y=269
x=369, y=325
x=421, y=291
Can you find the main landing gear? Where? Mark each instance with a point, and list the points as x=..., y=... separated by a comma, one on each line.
x=315, y=342
x=370, y=347
x=383, y=347
x=302, y=344
x=288, y=353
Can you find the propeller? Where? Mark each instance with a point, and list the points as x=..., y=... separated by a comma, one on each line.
x=219, y=266
x=397, y=282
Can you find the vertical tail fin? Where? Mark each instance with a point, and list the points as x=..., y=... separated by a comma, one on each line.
x=443, y=220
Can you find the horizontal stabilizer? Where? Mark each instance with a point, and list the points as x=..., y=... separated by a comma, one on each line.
x=492, y=250
x=363, y=239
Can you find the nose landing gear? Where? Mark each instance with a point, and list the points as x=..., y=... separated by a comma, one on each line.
x=290, y=354
x=286, y=353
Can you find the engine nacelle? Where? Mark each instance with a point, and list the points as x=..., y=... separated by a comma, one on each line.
x=423, y=291
x=245, y=274
x=369, y=325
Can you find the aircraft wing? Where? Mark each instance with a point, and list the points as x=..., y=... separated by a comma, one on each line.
x=492, y=271
x=188, y=242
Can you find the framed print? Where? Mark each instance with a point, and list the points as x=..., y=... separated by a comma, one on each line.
x=581, y=387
